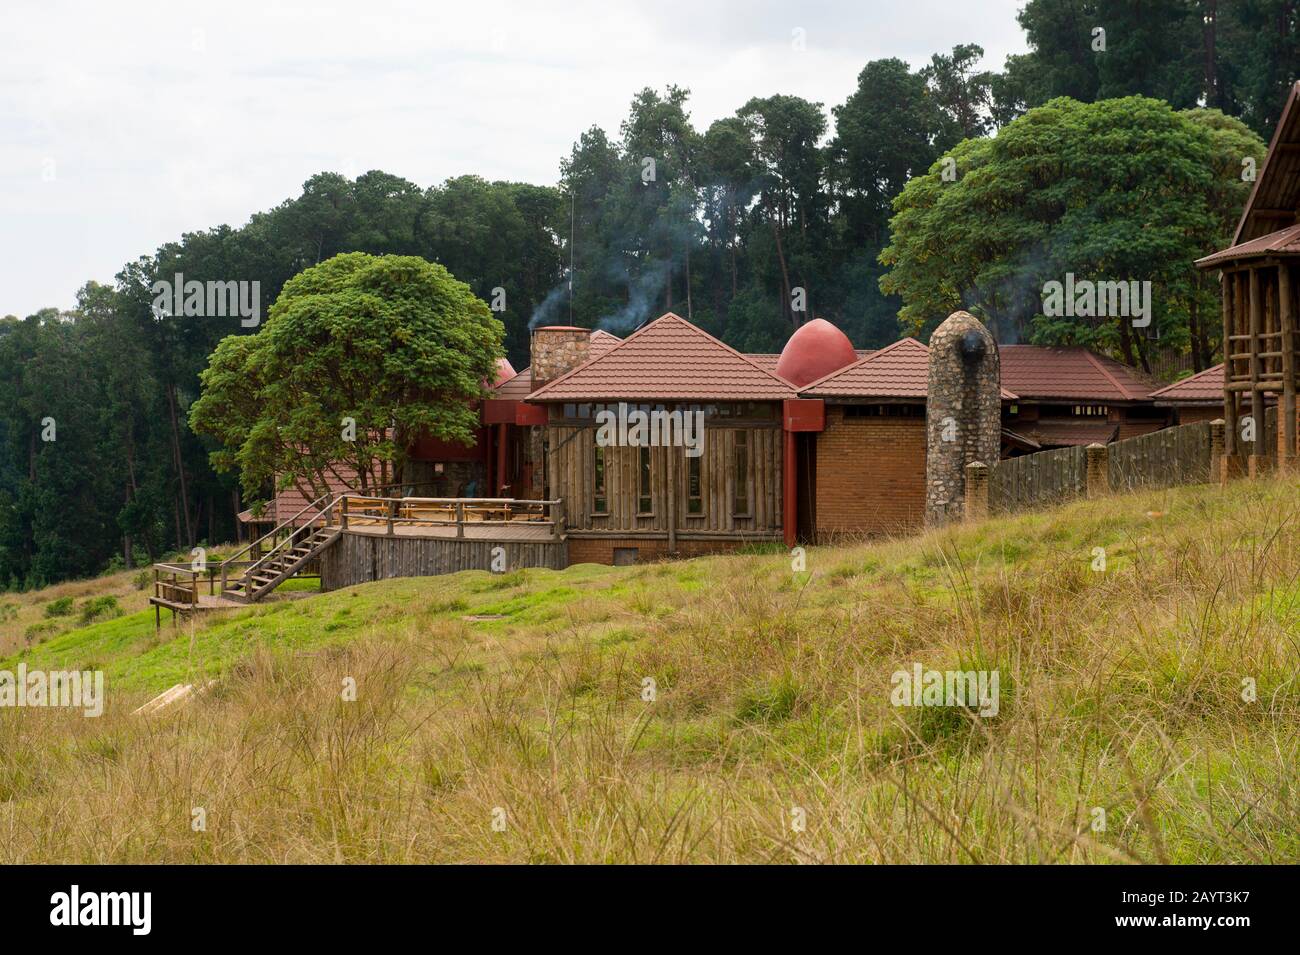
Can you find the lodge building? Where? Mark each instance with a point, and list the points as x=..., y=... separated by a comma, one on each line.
x=817, y=443
x=822, y=440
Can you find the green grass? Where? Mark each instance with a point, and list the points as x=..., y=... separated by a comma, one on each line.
x=767, y=689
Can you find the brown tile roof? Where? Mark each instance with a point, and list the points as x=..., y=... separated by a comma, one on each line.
x=290, y=501
x=1073, y=373
x=768, y=361
x=1202, y=387
x=1282, y=242
x=516, y=388
x=1275, y=197
x=601, y=342
x=1069, y=434
x=667, y=360
x=900, y=370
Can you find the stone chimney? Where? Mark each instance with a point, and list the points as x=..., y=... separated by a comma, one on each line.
x=963, y=412
x=557, y=350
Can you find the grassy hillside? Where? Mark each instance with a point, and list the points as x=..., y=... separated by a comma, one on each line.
x=519, y=697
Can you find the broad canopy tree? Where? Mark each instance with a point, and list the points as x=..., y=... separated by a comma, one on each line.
x=360, y=355
x=1120, y=190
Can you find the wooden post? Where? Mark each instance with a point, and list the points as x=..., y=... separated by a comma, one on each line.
x=343, y=512
x=1097, y=470
x=557, y=520
x=1256, y=395
x=672, y=498
x=976, y=505
x=1218, y=460
x=392, y=512
x=1232, y=300
x=1286, y=416
x=460, y=518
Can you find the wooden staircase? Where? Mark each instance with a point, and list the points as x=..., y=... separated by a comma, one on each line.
x=302, y=542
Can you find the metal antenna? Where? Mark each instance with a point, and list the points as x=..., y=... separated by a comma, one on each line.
x=571, y=205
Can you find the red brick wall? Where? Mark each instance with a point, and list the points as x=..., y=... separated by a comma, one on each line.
x=870, y=474
x=1191, y=415
x=600, y=550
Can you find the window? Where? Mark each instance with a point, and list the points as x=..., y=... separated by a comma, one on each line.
x=884, y=411
x=599, y=502
x=694, y=491
x=644, y=503
x=740, y=502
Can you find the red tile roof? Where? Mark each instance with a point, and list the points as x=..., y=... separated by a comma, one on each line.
x=1074, y=374
x=601, y=342
x=900, y=370
x=1069, y=434
x=667, y=360
x=1282, y=242
x=1202, y=387
x=769, y=361
x=516, y=388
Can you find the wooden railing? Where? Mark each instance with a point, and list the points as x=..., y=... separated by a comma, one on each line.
x=178, y=584
x=457, y=512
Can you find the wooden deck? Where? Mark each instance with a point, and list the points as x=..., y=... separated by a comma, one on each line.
x=350, y=538
x=483, y=531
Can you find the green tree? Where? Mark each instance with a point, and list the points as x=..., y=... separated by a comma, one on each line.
x=1119, y=190
x=360, y=355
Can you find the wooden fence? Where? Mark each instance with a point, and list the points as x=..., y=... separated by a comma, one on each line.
x=1164, y=458
x=1036, y=480
x=1181, y=455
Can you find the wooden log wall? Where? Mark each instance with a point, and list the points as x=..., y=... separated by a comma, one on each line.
x=358, y=558
x=571, y=460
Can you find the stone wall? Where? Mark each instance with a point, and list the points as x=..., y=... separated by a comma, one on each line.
x=963, y=412
x=557, y=350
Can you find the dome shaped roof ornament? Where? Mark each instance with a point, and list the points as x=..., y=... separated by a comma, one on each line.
x=816, y=349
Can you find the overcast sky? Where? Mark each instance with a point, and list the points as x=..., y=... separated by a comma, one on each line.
x=126, y=124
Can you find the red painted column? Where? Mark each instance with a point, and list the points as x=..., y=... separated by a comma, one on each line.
x=790, y=518
x=502, y=440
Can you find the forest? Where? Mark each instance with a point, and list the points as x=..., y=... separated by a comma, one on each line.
x=785, y=210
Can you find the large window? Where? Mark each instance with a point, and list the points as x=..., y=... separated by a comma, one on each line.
x=599, y=501
x=694, y=486
x=644, y=501
x=740, y=502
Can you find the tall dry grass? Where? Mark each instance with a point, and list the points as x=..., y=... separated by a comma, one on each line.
x=1121, y=691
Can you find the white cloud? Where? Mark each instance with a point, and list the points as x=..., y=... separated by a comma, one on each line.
x=162, y=120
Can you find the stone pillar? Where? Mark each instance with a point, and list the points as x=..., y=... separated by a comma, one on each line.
x=963, y=412
x=1098, y=470
x=1218, y=460
x=977, y=492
